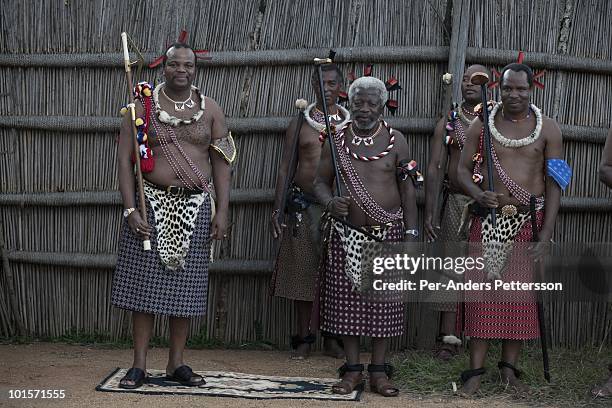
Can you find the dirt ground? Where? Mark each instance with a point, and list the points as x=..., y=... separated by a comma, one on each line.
x=78, y=369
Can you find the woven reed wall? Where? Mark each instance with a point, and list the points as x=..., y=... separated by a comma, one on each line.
x=54, y=299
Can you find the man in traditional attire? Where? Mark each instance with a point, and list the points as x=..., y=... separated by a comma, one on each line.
x=183, y=142
x=526, y=156
x=377, y=196
x=448, y=139
x=297, y=265
x=605, y=175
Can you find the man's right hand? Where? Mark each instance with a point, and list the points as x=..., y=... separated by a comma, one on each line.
x=138, y=226
x=489, y=199
x=339, y=206
x=430, y=230
x=277, y=228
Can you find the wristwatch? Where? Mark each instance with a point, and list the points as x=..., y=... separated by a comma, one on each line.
x=128, y=211
x=413, y=232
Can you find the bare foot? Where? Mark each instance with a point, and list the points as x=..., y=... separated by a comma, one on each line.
x=470, y=387
x=510, y=381
x=604, y=390
x=350, y=381
x=332, y=348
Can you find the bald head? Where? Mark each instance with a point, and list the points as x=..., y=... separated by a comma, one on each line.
x=469, y=91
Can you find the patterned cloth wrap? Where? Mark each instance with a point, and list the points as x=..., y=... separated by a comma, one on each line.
x=172, y=278
x=345, y=311
x=486, y=316
x=296, y=269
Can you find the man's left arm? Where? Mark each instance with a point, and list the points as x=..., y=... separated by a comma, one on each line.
x=553, y=150
x=221, y=173
x=406, y=185
x=605, y=167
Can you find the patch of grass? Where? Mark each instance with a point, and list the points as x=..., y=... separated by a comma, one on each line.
x=106, y=341
x=573, y=374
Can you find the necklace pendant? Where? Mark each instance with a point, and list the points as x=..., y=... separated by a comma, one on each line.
x=179, y=106
x=357, y=141
x=368, y=141
x=189, y=103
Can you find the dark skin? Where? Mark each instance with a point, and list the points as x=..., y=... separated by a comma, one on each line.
x=526, y=166
x=605, y=176
x=471, y=97
x=379, y=179
x=305, y=169
x=179, y=72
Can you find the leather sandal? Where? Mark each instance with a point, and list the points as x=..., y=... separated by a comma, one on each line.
x=347, y=386
x=184, y=375
x=382, y=385
x=136, y=375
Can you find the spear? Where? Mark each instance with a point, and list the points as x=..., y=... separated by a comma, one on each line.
x=537, y=266
x=146, y=243
x=481, y=78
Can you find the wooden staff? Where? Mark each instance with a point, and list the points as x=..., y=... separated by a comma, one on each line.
x=536, y=267
x=146, y=243
x=481, y=78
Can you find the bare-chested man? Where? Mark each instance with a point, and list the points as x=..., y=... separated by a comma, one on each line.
x=378, y=195
x=453, y=200
x=184, y=143
x=605, y=175
x=298, y=261
x=527, y=151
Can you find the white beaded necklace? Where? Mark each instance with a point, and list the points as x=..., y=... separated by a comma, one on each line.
x=515, y=143
x=320, y=126
x=165, y=117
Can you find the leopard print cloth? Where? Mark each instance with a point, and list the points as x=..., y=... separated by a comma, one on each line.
x=174, y=219
x=353, y=244
x=497, y=243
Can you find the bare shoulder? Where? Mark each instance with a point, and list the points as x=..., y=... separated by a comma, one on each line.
x=550, y=128
x=213, y=106
x=400, y=142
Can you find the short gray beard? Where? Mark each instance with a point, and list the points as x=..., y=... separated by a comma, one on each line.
x=367, y=127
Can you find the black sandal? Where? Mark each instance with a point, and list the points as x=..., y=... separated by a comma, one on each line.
x=137, y=375
x=346, y=386
x=467, y=374
x=516, y=371
x=184, y=375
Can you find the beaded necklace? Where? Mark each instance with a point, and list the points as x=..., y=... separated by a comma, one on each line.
x=374, y=157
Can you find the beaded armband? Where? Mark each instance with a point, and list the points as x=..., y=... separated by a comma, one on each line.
x=560, y=171
x=226, y=147
x=408, y=169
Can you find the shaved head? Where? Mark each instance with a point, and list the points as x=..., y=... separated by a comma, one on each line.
x=471, y=93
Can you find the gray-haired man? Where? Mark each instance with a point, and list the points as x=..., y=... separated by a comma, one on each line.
x=378, y=195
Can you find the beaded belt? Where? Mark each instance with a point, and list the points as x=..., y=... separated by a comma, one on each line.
x=508, y=210
x=175, y=190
